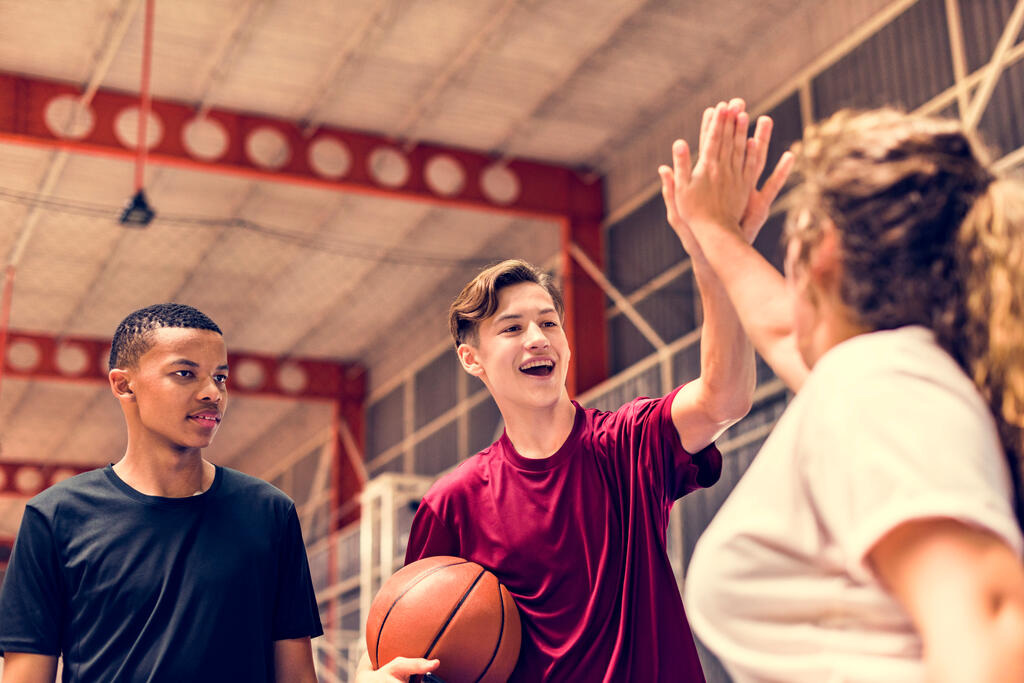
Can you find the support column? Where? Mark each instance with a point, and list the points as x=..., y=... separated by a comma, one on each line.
x=349, y=472
x=585, y=323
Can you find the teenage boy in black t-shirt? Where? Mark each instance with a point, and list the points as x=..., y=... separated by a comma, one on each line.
x=163, y=566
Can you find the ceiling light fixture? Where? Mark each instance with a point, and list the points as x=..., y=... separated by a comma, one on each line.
x=138, y=213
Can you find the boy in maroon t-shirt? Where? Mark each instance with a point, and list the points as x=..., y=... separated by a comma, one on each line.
x=569, y=508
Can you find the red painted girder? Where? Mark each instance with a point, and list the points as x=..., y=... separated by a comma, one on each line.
x=26, y=479
x=324, y=379
x=545, y=189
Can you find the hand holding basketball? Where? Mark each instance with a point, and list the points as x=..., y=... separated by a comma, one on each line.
x=446, y=609
x=399, y=670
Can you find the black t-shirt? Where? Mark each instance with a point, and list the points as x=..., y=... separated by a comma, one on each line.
x=130, y=587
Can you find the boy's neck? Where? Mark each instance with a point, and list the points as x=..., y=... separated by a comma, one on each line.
x=165, y=473
x=539, y=433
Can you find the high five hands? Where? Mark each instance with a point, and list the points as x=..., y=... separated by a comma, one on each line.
x=721, y=189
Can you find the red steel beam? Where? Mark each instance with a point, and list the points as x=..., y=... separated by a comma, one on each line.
x=543, y=189
x=82, y=359
x=26, y=479
x=533, y=189
x=585, y=322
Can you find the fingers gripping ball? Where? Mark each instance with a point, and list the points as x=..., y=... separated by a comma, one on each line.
x=449, y=609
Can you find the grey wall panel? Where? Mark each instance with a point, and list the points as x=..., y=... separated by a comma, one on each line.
x=983, y=22
x=484, y=422
x=302, y=476
x=686, y=364
x=437, y=452
x=434, y=388
x=348, y=554
x=788, y=128
x=905, y=64
x=646, y=383
x=626, y=345
x=1002, y=124
x=668, y=310
x=769, y=241
x=350, y=620
x=641, y=246
x=396, y=463
x=384, y=422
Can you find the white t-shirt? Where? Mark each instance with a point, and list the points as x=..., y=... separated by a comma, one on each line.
x=886, y=429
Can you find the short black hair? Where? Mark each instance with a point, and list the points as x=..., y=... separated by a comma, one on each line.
x=131, y=339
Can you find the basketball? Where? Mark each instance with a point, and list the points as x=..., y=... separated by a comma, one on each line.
x=450, y=609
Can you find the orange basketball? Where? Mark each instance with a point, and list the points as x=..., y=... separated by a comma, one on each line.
x=449, y=609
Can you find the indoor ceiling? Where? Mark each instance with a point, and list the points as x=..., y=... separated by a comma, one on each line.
x=305, y=270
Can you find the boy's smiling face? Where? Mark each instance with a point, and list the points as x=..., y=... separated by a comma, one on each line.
x=521, y=352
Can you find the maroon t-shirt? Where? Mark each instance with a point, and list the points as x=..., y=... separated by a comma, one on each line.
x=579, y=540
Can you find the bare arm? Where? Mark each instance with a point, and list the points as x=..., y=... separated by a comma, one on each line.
x=22, y=667
x=721, y=395
x=707, y=406
x=398, y=670
x=704, y=201
x=964, y=591
x=293, y=661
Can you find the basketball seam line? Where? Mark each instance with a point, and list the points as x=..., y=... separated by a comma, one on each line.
x=501, y=634
x=376, y=645
x=451, y=615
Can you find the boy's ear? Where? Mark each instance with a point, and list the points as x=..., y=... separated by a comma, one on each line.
x=469, y=360
x=120, y=384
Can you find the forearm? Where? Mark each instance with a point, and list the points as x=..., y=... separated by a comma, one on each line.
x=727, y=369
x=758, y=295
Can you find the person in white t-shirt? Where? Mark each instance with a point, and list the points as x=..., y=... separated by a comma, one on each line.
x=877, y=535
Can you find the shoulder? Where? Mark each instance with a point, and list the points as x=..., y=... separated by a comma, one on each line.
x=905, y=352
x=891, y=371
x=639, y=411
x=235, y=483
x=79, y=488
x=468, y=477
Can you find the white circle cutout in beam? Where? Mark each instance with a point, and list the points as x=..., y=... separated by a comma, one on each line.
x=500, y=184
x=291, y=377
x=444, y=175
x=61, y=474
x=72, y=359
x=104, y=361
x=388, y=167
x=67, y=118
x=28, y=479
x=330, y=157
x=248, y=374
x=23, y=355
x=268, y=148
x=126, y=128
x=205, y=138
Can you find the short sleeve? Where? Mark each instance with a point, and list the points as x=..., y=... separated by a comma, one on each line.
x=429, y=536
x=642, y=431
x=32, y=600
x=296, y=614
x=893, y=447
